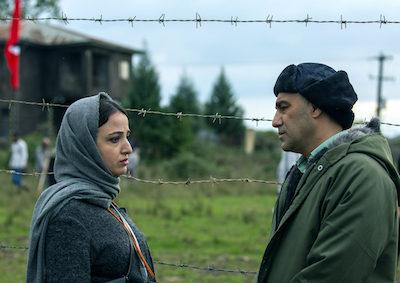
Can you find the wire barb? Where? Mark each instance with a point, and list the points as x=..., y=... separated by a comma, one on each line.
x=131, y=20
x=234, y=21
x=64, y=18
x=217, y=116
x=198, y=20
x=269, y=20
x=382, y=21
x=343, y=23
x=99, y=20
x=161, y=19
x=307, y=19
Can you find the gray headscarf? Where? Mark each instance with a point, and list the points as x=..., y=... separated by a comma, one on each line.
x=80, y=174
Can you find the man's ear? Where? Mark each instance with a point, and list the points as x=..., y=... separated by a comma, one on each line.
x=315, y=111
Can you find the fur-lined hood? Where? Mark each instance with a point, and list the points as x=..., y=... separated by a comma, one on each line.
x=372, y=127
x=369, y=140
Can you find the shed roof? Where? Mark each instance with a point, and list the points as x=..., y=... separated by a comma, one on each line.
x=52, y=35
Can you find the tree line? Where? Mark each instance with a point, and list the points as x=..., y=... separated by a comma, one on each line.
x=163, y=137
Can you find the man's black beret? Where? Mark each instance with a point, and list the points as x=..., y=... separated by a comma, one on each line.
x=327, y=89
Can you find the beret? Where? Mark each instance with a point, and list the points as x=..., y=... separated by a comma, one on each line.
x=327, y=89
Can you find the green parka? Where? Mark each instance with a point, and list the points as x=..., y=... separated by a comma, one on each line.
x=342, y=225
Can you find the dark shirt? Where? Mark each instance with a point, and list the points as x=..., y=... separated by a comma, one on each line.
x=85, y=243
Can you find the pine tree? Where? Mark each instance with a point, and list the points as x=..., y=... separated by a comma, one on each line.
x=222, y=101
x=185, y=101
x=149, y=132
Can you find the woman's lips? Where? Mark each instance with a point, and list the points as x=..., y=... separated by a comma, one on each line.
x=125, y=161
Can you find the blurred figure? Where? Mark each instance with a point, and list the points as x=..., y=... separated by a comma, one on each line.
x=288, y=159
x=133, y=158
x=42, y=155
x=18, y=160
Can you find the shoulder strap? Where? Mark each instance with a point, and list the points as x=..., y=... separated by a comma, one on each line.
x=134, y=242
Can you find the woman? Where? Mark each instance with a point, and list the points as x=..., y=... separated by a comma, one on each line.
x=78, y=233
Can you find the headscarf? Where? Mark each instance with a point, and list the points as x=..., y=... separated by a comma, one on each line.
x=80, y=174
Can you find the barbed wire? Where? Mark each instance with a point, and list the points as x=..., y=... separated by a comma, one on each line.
x=198, y=20
x=212, y=180
x=208, y=268
x=143, y=112
x=187, y=182
x=178, y=265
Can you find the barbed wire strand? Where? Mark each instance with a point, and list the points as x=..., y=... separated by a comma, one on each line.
x=143, y=112
x=140, y=112
x=178, y=265
x=198, y=20
x=187, y=182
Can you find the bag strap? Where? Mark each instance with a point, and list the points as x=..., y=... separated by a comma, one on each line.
x=133, y=241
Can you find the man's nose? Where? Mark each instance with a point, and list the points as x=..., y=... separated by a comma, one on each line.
x=277, y=121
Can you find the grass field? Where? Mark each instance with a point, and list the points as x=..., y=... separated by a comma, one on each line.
x=220, y=226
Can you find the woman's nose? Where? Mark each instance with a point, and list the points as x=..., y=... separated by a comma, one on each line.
x=127, y=148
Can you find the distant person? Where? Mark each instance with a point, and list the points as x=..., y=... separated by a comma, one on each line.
x=18, y=160
x=51, y=180
x=42, y=154
x=134, y=158
x=288, y=159
x=78, y=232
x=335, y=220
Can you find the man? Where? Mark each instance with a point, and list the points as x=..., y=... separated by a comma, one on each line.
x=42, y=155
x=288, y=158
x=18, y=160
x=335, y=220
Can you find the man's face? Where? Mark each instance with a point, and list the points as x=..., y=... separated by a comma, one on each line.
x=294, y=122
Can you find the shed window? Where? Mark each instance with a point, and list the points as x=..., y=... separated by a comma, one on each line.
x=123, y=70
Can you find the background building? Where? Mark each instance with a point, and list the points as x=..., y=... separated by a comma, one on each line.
x=59, y=66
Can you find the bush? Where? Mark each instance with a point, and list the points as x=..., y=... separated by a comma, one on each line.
x=187, y=165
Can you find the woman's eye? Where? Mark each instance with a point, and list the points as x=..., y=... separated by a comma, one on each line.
x=114, y=140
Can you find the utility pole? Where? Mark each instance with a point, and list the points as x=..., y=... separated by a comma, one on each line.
x=380, y=100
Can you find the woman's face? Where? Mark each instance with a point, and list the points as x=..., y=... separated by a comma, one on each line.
x=112, y=142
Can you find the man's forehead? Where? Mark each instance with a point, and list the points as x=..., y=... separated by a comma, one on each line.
x=286, y=96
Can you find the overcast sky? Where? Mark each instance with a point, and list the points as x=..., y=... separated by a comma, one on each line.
x=253, y=54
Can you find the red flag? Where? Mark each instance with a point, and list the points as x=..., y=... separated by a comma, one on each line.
x=12, y=50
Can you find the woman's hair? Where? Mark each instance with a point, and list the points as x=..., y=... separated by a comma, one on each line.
x=108, y=107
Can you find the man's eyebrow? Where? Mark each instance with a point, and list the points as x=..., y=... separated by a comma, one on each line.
x=281, y=103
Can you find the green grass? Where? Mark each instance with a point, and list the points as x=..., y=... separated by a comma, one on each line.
x=222, y=225
x=218, y=225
